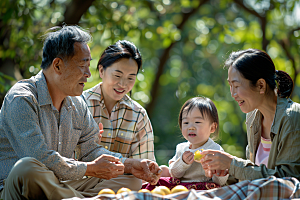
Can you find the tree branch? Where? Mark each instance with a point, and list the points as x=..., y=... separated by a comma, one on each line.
x=151, y=7
x=263, y=21
x=75, y=10
x=285, y=44
x=253, y=12
x=164, y=58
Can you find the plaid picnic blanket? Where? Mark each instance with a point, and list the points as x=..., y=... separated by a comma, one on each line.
x=265, y=188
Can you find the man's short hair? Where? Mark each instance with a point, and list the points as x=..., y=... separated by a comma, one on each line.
x=60, y=43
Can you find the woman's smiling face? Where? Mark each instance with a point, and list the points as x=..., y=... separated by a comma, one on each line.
x=118, y=79
x=247, y=97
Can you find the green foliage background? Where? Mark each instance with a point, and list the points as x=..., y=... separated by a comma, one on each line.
x=184, y=44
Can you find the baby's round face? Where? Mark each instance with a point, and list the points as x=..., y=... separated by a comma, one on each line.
x=196, y=128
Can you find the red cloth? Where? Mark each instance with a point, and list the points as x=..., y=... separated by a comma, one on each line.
x=171, y=182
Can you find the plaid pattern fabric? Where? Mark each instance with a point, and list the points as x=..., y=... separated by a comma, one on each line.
x=264, y=189
x=128, y=130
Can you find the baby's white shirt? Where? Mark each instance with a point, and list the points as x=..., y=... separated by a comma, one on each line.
x=193, y=172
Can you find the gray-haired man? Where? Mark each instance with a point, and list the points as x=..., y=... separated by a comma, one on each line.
x=42, y=123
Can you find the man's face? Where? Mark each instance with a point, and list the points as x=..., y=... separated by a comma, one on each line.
x=75, y=71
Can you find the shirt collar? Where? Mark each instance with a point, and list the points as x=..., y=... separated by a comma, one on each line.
x=254, y=117
x=206, y=145
x=95, y=93
x=279, y=113
x=44, y=97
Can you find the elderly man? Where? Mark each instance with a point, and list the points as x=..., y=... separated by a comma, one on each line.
x=43, y=122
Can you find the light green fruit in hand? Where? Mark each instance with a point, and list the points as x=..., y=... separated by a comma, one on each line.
x=198, y=156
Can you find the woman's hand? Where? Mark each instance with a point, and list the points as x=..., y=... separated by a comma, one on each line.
x=100, y=132
x=216, y=162
x=188, y=157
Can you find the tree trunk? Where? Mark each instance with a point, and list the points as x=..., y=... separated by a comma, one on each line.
x=263, y=22
x=7, y=65
x=75, y=10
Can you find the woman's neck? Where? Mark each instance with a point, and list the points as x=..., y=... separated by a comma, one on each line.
x=268, y=110
x=109, y=105
x=268, y=107
x=109, y=102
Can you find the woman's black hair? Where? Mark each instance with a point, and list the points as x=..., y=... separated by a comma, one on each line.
x=206, y=107
x=254, y=64
x=121, y=49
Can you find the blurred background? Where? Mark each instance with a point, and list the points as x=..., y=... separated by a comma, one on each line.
x=184, y=44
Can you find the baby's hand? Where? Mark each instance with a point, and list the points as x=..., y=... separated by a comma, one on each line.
x=188, y=157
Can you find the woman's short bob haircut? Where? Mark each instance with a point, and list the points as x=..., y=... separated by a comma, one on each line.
x=121, y=49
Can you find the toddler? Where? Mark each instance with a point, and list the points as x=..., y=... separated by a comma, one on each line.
x=198, y=121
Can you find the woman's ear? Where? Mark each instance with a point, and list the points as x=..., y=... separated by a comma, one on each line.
x=101, y=71
x=261, y=85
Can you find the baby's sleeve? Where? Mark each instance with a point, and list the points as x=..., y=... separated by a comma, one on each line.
x=177, y=169
x=177, y=166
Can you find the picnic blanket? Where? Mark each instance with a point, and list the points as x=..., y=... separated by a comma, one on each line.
x=264, y=189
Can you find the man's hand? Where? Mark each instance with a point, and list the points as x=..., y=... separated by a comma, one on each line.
x=105, y=167
x=144, y=169
x=188, y=157
x=100, y=132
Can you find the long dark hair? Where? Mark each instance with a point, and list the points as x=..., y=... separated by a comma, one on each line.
x=206, y=107
x=254, y=64
x=121, y=49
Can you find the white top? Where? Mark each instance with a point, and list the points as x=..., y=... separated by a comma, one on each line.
x=263, y=151
x=193, y=172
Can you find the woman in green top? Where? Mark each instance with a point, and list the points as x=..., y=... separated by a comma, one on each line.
x=273, y=128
